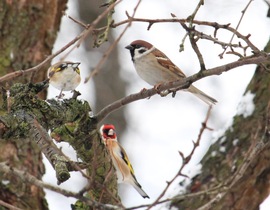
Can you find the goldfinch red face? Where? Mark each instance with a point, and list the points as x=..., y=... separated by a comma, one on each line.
x=64, y=76
x=108, y=132
x=154, y=67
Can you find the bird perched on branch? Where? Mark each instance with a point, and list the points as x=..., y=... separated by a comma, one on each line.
x=64, y=76
x=122, y=165
x=154, y=67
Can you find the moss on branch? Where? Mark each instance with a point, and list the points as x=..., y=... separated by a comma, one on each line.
x=69, y=121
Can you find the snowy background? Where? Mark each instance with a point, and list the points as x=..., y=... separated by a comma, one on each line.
x=168, y=125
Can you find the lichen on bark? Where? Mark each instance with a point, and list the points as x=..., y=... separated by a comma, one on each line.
x=69, y=121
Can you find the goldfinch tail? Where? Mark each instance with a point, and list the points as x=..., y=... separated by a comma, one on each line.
x=139, y=189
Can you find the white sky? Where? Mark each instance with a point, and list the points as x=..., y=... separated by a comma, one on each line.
x=160, y=127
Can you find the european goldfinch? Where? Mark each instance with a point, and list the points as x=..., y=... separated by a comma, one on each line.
x=64, y=76
x=122, y=165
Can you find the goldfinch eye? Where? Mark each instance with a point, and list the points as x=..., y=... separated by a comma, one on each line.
x=106, y=131
x=63, y=66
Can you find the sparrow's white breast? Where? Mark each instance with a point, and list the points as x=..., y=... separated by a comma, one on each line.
x=151, y=71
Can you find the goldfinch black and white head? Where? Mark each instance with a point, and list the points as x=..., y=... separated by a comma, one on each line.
x=64, y=75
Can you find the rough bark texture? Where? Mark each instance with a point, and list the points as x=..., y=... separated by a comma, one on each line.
x=227, y=155
x=28, y=31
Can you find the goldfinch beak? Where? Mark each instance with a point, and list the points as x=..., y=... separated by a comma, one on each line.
x=75, y=65
x=111, y=132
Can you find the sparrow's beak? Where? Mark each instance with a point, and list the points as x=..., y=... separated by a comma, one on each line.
x=75, y=65
x=129, y=47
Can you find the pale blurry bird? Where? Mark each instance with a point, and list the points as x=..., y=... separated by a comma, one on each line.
x=154, y=67
x=64, y=76
x=122, y=165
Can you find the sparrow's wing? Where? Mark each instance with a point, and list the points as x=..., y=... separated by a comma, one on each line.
x=164, y=61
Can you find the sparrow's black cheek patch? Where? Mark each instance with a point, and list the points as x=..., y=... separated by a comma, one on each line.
x=132, y=53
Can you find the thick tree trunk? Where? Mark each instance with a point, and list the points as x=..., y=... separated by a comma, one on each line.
x=28, y=32
x=240, y=145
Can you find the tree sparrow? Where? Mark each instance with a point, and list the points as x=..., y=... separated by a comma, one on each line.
x=64, y=76
x=154, y=67
x=122, y=165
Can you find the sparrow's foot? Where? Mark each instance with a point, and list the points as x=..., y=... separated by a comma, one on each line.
x=167, y=92
x=173, y=93
x=156, y=87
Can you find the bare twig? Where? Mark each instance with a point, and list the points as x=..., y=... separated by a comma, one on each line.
x=90, y=28
x=183, y=196
x=182, y=46
x=192, y=16
x=194, y=45
x=185, y=160
x=86, y=26
x=205, y=23
x=240, y=20
x=110, y=49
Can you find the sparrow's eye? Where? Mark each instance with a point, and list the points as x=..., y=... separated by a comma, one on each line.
x=141, y=51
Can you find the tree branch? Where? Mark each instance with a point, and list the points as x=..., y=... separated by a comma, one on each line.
x=26, y=177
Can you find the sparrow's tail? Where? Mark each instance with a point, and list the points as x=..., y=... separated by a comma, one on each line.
x=201, y=95
x=138, y=187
